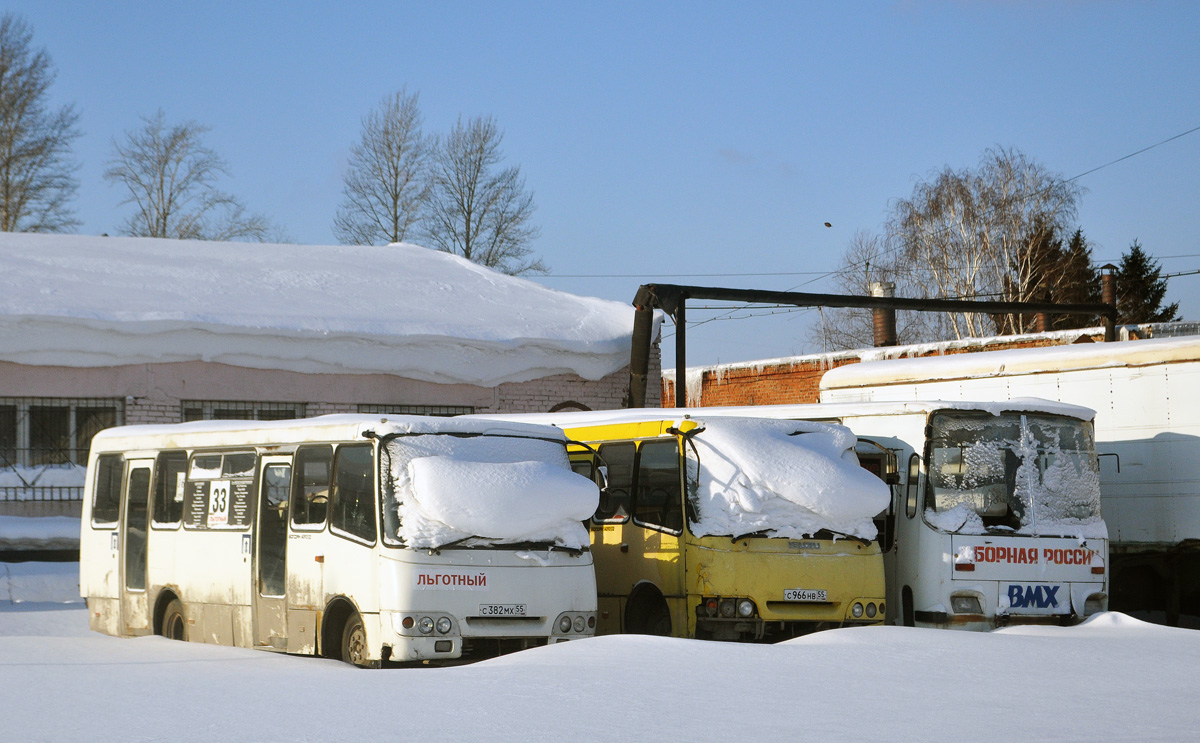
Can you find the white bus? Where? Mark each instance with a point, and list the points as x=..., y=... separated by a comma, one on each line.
x=357, y=537
x=1147, y=399
x=995, y=512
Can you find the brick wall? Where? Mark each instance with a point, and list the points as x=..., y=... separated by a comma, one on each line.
x=797, y=379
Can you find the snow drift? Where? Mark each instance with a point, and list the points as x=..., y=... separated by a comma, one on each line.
x=81, y=301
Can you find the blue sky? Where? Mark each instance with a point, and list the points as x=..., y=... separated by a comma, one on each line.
x=666, y=140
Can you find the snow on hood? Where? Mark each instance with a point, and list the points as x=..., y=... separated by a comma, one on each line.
x=496, y=487
x=790, y=478
x=83, y=301
x=513, y=501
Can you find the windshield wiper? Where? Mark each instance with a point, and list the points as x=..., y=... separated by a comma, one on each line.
x=843, y=535
x=759, y=533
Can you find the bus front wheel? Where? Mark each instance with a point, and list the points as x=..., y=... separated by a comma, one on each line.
x=174, y=623
x=354, y=642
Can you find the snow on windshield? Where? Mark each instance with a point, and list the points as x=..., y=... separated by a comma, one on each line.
x=1030, y=474
x=484, y=489
x=788, y=478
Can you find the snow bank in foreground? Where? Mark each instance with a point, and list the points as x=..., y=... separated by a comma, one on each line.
x=73, y=300
x=1112, y=679
x=791, y=478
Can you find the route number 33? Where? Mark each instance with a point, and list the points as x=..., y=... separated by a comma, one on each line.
x=218, y=503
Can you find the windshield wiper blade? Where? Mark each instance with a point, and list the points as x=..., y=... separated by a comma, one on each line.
x=843, y=535
x=759, y=533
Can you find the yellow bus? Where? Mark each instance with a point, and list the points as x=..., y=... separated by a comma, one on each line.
x=729, y=529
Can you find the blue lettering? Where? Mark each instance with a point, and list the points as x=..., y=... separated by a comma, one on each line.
x=1051, y=598
x=1014, y=597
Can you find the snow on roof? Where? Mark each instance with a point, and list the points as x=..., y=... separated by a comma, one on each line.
x=880, y=353
x=1014, y=362
x=84, y=301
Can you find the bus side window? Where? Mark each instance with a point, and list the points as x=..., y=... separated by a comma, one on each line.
x=658, y=502
x=310, y=486
x=106, y=498
x=614, y=500
x=169, y=474
x=354, y=492
x=914, y=476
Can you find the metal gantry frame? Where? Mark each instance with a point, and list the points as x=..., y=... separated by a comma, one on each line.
x=672, y=299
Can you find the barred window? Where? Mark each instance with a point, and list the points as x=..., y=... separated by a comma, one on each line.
x=444, y=411
x=39, y=431
x=217, y=410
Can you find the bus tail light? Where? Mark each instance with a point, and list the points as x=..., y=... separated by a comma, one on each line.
x=965, y=605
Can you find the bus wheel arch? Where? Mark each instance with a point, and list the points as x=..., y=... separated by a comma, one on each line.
x=170, y=616
x=343, y=634
x=646, y=612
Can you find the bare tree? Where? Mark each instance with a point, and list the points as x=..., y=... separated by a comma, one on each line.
x=865, y=262
x=973, y=234
x=171, y=179
x=385, y=187
x=36, y=167
x=475, y=209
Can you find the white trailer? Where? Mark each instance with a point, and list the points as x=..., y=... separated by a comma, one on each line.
x=1147, y=400
x=357, y=537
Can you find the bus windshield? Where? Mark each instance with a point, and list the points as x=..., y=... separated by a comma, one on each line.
x=444, y=491
x=1027, y=473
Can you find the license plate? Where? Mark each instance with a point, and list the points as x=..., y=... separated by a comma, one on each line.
x=805, y=594
x=502, y=610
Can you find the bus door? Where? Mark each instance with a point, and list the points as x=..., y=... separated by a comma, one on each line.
x=270, y=574
x=135, y=614
x=636, y=535
x=306, y=544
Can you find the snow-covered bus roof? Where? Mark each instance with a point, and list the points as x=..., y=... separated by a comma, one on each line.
x=811, y=411
x=201, y=434
x=85, y=301
x=1014, y=362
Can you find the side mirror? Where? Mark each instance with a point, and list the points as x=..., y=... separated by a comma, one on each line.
x=601, y=476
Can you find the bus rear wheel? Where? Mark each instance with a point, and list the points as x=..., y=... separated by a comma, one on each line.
x=174, y=623
x=354, y=642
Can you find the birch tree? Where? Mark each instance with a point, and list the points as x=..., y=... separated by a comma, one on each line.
x=973, y=234
x=36, y=165
x=170, y=177
x=478, y=209
x=385, y=187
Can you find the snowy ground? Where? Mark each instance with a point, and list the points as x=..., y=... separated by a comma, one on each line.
x=1114, y=678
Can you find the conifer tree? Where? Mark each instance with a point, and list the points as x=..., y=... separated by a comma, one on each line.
x=1141, y=290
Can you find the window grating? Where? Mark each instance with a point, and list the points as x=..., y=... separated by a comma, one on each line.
x=218, y=410
x=45, y=442
x=444, y=411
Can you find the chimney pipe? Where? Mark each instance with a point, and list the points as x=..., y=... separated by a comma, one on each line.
x=884, y=318
x=1108, y=296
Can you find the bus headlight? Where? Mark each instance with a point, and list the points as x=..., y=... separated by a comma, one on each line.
x=745, y=608
x=870, y=611
x=425, y=625
x=564, y=624
x=443, y=625
x=578, y=624
x=728, y=606
x=857, y=610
